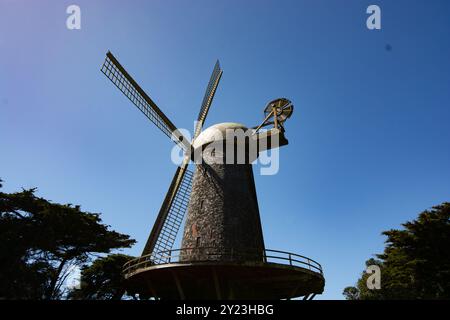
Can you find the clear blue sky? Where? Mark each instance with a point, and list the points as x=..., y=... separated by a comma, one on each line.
x=369, y=138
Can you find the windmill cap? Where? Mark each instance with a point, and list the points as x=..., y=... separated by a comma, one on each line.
x=218, y=132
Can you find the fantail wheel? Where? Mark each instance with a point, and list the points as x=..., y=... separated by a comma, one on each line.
x=277, y=112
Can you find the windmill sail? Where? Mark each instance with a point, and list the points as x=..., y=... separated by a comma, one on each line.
x=171, y=214
x=174, y=206
x=207, y=99
x=114, y=71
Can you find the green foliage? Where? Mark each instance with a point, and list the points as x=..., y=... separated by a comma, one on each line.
x=415, y=263
x=102, y=280
x=41, y=241
x=361, y=291
x=351, y=293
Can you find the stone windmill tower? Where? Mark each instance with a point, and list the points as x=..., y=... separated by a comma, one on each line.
x=222, y=254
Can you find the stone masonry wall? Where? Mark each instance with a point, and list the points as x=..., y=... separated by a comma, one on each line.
x=223, y=214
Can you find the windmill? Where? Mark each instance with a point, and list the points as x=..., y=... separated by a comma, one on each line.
x=222, y=252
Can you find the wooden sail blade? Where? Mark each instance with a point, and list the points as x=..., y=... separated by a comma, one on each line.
x=207, y=99
x=117, y=74
x=171, y=214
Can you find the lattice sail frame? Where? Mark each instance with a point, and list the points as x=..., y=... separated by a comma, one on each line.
x=174, y=206
x=174, y=219
x=114, y=71
x=207, y=99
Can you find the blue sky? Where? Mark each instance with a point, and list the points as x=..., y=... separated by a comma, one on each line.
x=369, y=138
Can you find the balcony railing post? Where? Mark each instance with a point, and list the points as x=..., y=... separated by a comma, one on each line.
x=290, y=259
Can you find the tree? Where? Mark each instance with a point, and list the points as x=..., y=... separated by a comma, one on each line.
x=41, y=242
x=102, y=280
x=351, y=293
x=415, y=263
x=361, y=291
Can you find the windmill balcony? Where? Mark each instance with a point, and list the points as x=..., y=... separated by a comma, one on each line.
x=205, y=254
x=271, y=274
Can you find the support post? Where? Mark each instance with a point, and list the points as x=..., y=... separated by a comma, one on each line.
x=216, y=284
x=178, y=284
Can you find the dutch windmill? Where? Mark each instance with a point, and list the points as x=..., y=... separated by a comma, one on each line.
x=222, y=253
